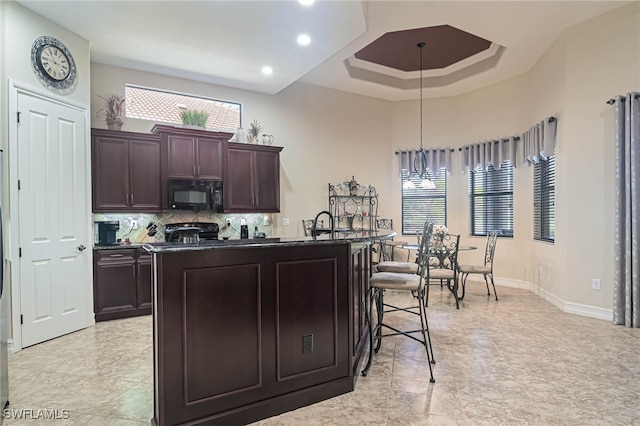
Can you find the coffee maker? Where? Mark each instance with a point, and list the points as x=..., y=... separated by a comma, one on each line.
x=105, y=232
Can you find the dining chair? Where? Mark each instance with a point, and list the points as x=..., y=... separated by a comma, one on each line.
x=443, y=264
x=486, y=270
x=412, y=283
x=389, y=246
x=307, y=225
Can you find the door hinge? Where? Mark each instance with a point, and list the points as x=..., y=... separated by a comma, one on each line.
x=18, y=114
x=18, y=185
x=21, y=319
x=20, y=252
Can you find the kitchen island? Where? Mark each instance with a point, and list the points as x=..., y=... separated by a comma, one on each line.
x=248, y=329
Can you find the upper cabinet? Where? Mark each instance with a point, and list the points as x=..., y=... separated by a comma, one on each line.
x=126, y=171
x=252, y=181
x=131, y=170
x=192, y=153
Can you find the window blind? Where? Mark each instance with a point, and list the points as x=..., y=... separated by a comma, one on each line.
x=544, y=197
x=420, y=205
x=491, y=200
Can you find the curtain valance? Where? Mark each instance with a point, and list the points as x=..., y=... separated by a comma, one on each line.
x=436, y=159
x=539, y=142
x=493, y=152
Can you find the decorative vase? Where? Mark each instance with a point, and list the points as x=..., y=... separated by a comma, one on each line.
x=114, y=126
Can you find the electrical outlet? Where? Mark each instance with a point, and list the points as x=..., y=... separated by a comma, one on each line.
x=307, y=343
x=286, y=221
x=595, y=283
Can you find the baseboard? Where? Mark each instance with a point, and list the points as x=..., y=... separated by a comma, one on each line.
x=568, y=307
x=589, y=311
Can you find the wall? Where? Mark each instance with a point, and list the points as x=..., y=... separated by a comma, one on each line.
x=586, y=66
x=327, y=136
x=19, y=28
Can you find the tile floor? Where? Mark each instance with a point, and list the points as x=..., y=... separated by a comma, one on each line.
x=518, y=361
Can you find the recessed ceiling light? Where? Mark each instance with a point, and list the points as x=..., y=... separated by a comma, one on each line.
x=304, y=40
x=267, y=70
x=306, y=2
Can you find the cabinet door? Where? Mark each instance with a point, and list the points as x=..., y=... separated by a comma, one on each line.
x=267, y=181
x=182, y=157
x=114, y=284
x=144, y=169
x=239, y=185
x=110, y=158
x=144, y=281
x=209, y=159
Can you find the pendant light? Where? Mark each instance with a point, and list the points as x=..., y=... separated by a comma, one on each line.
x=420, y=161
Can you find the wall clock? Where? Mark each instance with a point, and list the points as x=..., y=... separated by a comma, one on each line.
x=52, y=63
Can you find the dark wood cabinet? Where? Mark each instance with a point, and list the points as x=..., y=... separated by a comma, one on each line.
x=126, y=171
x=230, y=327
x=252, y=181
x=360, y=273
x=121, y=283
x=192, y=153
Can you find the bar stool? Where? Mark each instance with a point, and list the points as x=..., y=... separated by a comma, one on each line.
x=410, y=282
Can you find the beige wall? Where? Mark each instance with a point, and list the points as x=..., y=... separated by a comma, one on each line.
x=327, y=135
x=586, y=66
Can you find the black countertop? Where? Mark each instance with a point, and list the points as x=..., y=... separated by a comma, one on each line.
x=338, y=237
x=118, y=246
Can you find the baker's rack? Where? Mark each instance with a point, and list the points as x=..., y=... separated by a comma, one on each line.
x=353, y=206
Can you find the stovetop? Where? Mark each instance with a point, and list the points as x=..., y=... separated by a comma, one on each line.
x=208, y=230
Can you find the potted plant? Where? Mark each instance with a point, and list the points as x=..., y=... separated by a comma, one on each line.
x=113, y=110
x=192, y=117
x=253, y=131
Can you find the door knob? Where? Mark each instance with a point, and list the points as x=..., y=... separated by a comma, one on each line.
x=81, y=247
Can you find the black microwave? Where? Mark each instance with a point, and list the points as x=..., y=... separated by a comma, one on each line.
x=197, y=195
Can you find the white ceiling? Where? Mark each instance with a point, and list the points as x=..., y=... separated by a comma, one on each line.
x=228, y=42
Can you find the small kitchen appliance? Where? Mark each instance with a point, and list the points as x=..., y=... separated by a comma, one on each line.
x=106, y=232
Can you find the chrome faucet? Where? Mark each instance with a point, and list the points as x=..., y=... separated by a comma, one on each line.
x=314, y=229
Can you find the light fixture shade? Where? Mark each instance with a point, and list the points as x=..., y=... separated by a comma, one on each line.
x=427, y=184
x=408, y=184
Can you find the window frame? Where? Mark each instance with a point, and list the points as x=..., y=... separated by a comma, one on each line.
x=426, y=196
x=544, y=189
x=192, y=96
x=492, y=178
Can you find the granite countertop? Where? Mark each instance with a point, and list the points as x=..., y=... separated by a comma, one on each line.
x=119, y=246
x=339, y=237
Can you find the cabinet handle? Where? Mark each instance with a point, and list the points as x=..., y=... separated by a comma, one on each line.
x=194, y=170
x=198, y=170
x=131, y=200
x=134, y=270
x=116, y=255
x=138, y=269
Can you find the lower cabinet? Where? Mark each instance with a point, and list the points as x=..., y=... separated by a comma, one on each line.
x=360, y=273
x=121, y=283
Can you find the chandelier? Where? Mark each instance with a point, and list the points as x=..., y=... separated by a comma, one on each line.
x=420, y=160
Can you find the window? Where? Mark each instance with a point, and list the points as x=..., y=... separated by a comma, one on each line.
x=544, y=197
x=420, y=205
x=491, y=200
x=163, y=106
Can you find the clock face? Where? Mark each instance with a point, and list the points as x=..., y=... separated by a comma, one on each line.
x=52, y=63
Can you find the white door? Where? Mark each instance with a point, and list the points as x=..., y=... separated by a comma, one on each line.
x=55, y=274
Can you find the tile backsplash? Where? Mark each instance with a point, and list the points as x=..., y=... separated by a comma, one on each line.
x=134, y=225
